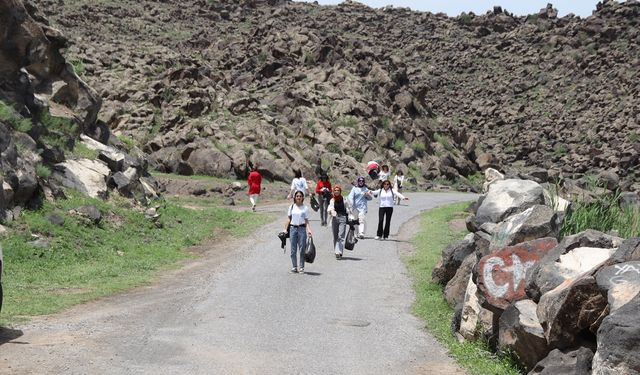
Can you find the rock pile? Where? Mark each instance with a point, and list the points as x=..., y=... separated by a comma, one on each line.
x=558, y=306
x=209, y=86
x=45, y=110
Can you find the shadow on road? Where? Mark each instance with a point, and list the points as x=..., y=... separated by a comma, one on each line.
x=350, y=258
x=312, y=273
x=8, y=334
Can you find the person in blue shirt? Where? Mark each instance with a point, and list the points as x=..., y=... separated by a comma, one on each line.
x=359, y=196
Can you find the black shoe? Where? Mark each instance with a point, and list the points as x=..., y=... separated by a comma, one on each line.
x=338, y=256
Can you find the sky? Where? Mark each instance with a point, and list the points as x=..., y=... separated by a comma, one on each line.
x=582, y=8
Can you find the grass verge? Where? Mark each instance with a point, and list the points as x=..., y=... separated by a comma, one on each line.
x=430, y=305
x=76, y=261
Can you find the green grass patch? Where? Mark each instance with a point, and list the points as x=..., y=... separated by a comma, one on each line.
x=85, y=261
x=81, y=151
x=603, y=214
x=430, y=305
x=17, y=122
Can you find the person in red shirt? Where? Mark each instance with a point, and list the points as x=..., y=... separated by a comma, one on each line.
x=323, y=190
x=254, y=180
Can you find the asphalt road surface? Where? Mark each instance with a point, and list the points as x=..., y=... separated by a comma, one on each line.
x=238, y=310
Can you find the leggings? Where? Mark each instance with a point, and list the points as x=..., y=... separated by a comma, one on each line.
x=384, y=214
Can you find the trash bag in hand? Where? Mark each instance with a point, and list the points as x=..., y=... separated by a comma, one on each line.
x=314, y=203
x=310, y=251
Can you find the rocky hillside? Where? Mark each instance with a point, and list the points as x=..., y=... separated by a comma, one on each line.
x=46, y=110
x=207, y=86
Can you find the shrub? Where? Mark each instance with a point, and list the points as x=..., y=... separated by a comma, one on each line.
x=419, y=147
x=399, y=144
x=43, y=171
x=334, y=148
x=356, y=154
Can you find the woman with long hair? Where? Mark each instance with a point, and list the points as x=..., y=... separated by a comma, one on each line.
x=387, y=197
x=323, y=191
x=339, y=209
x=298, y=220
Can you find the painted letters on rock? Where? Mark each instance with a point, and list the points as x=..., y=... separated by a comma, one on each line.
x=501, y=274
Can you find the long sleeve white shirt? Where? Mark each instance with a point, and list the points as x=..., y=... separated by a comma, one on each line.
x=386, y=196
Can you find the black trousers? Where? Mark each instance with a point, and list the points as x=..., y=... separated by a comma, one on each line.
x=384, y=214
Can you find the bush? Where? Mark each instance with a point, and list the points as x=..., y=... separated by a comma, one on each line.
x=334, y=148
x=43, y=171
x=399, y=144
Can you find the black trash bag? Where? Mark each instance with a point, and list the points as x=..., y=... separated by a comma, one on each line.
x=310, y=251
x=351, y=239
x=283, y=239
x=314, y=203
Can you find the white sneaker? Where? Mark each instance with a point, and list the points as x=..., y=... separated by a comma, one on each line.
x=376, y=238
x=300, y=270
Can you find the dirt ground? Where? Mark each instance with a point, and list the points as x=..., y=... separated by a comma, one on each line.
x=200, y=191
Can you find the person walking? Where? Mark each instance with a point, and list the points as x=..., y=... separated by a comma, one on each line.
x=323, y=191
x=254, y=180
x=298, y=183
x=298, y=221
x=387, y=196
x=359, y=196
x=398, y=181
x=339, y=209
x=384, y=173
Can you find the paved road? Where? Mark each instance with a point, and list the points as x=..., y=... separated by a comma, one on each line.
x=238, y=311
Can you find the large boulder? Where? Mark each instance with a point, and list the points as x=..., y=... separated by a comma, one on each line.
x=565, y=362
x=500, y=276
x=452, y=258
x=210, y=162
x=621, y=282
x=508, y=197
x=619, y=342
x=475, y=320
x=456, y=288
x=521, y=332
x=85, y=175
x=592, y=248
x=572, y=311
x=629, y=250
x=535, y=222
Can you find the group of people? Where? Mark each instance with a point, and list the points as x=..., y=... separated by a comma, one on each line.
x=334, y=207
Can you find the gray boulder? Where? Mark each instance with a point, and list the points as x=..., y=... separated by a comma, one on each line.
x=565, y=362
x=535, y=222
x=452, y=258
x=553, y=269
x=521, y=332
x=571, y=308
x=621, y=282
x=619, y=342
x=456, y=288
x=508, y=197
x=84, y=175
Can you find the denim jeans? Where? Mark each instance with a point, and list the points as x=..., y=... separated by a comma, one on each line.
x=298, y=238
x=339, y=228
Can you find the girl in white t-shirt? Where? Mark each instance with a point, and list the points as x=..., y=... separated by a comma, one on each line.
x=298, y=220
x=387, y=197
x=298, y=183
